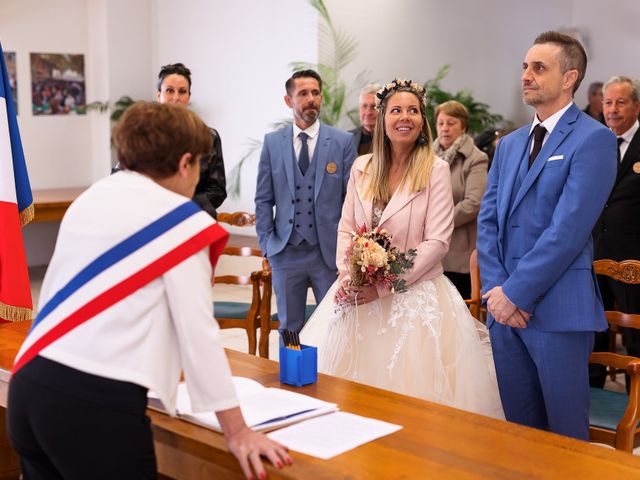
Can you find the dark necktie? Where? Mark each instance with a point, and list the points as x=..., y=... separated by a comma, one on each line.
x=538, y=136
x=620, y=140
x=303, y=160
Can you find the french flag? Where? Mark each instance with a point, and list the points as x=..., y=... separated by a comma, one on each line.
x=16, y=210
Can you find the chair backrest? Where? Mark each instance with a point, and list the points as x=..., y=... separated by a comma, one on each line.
x=475, y=302
x=626, y=271
x=237, y=219
x=238, y=252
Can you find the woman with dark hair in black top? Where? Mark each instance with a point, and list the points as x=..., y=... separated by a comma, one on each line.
x=174, y=86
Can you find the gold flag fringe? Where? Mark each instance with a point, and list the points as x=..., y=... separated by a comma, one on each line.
x=15, y=314
x=27, y=215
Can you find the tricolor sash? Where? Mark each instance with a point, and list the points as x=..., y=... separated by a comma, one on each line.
x=122, y=270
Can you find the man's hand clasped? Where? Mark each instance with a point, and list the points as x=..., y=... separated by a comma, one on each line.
x=504, y=311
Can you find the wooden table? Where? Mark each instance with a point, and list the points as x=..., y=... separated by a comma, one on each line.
x=50, y=205
x=436, y=442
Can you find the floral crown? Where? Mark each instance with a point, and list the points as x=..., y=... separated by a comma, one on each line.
x=397, y=84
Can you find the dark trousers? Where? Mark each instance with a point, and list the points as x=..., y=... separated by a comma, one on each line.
x=627, y=298
x=66, y=424
x=462, y=281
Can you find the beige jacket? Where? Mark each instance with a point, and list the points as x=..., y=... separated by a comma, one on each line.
x=468, y=183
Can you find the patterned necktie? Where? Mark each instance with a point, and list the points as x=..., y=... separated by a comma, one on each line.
x=538, y=135
x=303, y=159
x=620, y=140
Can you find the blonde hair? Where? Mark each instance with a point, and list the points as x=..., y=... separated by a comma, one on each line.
x=416, y=175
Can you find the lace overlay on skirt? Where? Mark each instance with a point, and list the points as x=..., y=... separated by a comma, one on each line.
x=423, y=343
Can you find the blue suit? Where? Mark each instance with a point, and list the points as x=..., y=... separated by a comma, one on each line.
x=534, y=240
x=316, y=207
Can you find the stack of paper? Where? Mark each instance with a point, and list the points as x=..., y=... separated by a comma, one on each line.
x=263, y=408
x=330, y=435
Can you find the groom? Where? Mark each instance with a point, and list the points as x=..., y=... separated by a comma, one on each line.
x=546, y=188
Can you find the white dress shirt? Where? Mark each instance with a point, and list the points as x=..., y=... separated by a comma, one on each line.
x=313, y=132
x=627, y=137
x=549, y=124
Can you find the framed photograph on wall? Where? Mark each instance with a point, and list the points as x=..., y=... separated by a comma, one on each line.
x=10, y=62
x=57, y=84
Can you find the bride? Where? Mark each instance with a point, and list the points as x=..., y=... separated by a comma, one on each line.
x=422, y=342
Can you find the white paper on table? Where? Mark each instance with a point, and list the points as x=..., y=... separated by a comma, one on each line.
x=330, y=435
x=263, y=408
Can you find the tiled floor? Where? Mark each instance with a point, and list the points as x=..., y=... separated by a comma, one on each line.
x=236, y=338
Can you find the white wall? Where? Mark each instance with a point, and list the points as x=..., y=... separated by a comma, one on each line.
x=613, y=39
x=239, y=54
x=484, y=42
x=57, y=148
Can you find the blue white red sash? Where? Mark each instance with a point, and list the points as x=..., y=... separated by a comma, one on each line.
x=122, y=270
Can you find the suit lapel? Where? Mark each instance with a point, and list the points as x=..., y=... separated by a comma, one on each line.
x=563, y=128
x=321, y=156
x=631, y=156
x=288, y=157
x=511, y=167
x=366, y=205
x=397, y=202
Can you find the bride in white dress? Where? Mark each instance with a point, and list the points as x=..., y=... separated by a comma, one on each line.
x=422, y=342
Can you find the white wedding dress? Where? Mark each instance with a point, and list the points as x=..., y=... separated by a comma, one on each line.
x=422, y=342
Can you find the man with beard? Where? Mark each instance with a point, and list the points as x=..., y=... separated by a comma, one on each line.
x=546, y=188
x=303, y=173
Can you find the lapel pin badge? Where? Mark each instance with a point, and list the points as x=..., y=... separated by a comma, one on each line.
x=636, y=167
x=331, y=167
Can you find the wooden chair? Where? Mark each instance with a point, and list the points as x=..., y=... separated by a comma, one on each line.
x=243, y=314
x=475, y=302
x=614, y=416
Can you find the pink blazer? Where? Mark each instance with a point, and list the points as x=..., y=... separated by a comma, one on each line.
x=422, y=220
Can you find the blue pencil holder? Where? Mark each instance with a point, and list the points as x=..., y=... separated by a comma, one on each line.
x=299, y=367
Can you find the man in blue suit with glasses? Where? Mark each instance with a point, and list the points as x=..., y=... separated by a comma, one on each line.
x=303, y=174
x=546, y=188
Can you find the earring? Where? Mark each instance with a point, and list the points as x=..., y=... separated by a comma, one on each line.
x=422, y=140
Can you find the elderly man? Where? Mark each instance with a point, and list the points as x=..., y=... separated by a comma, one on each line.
x=617, y=233
x=547, y=185
x=303, y=174
x=594, y=109
x=363, y=135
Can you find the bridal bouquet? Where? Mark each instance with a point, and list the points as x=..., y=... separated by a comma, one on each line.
x=372, y=260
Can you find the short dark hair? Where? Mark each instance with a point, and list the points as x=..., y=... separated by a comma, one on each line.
x=573, y=55
x=290, y=84
x=174, y=69
x=594, y=88
x=151, y=137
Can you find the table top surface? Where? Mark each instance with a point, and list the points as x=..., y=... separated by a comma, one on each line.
x=57, y=195
x=435, y=440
